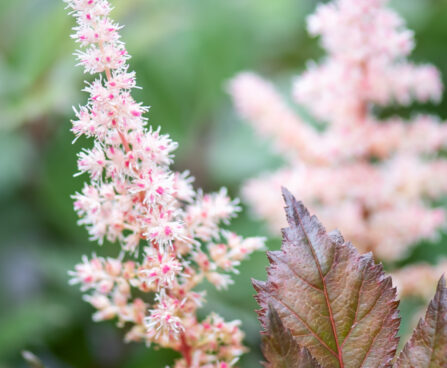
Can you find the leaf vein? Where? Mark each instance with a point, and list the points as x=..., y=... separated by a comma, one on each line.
x=359, y=292
x=370, y=310
x=301, y=320
x=372, y=344
x=317, y=262
x=302, y=278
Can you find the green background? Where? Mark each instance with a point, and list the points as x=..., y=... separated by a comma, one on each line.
x=184, y=52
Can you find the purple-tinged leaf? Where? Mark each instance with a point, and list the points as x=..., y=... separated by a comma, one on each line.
x=280, y=349
x=427, y=347
x=336, y=303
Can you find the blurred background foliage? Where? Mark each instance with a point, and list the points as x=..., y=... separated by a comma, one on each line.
x=183, y=52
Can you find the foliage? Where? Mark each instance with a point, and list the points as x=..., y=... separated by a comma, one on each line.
x=279, y=346
x=428, y=344
x=322, y=295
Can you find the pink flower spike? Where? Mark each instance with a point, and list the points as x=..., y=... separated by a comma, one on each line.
x=371, y=179
x=133, y=197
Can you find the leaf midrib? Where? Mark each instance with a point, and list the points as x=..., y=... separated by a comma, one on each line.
x=326, y=296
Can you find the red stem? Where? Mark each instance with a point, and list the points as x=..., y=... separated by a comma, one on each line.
x=185, y=350
x=124, y=141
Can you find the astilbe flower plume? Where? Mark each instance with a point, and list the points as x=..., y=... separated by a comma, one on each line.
x=170, y=235
x=372, y=179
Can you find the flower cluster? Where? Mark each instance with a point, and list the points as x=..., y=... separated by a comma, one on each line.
x=171, y=236
x=372, y=179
